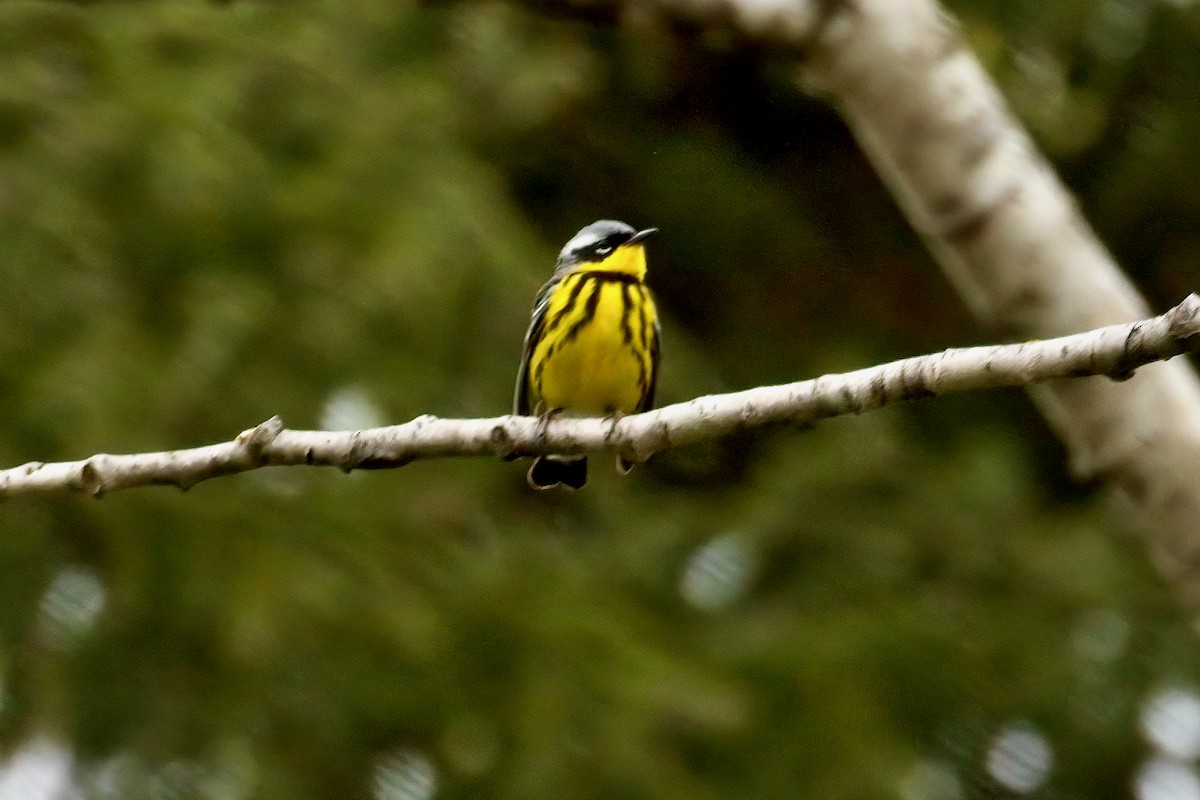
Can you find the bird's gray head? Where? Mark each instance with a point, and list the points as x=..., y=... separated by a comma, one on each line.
x=598, y=241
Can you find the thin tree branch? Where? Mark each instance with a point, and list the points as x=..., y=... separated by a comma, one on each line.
x=1115, y=351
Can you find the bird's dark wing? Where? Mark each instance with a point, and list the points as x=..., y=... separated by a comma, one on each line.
x=532, y=336
x=648, y=399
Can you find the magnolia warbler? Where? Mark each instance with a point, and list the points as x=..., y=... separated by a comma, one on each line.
x=592, y=344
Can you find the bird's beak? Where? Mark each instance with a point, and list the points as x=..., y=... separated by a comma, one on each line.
x=642, y=236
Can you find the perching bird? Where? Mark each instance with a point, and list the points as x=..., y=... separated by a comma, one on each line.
x=592, y=345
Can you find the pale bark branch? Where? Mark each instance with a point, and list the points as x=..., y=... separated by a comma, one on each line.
x=1114, y=351
x=1000, y=224
x=1014, y=243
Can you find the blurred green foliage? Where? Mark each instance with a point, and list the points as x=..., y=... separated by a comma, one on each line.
x=340, y=212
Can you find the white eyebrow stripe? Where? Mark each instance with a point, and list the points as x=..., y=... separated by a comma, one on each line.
x=584, y=238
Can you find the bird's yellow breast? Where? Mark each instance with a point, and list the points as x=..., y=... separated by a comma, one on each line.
x=595, y=353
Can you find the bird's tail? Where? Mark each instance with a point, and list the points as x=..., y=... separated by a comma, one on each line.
x=550, y=471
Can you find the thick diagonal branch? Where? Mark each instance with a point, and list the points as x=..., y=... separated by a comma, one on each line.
x=1115, y=351
x=999, y=222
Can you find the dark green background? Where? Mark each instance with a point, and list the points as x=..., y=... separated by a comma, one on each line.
x=339, y=213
